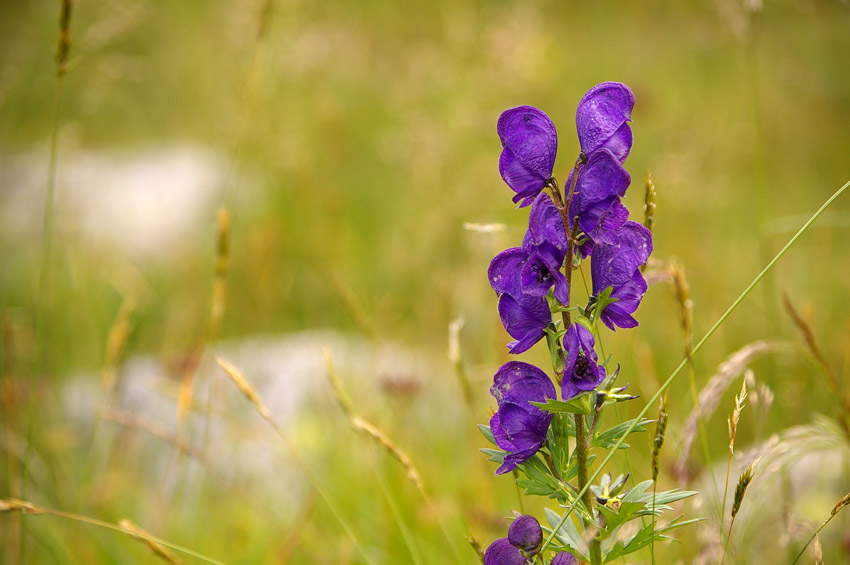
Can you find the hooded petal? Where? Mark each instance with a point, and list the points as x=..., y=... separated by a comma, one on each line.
x=526, y=534
x=524, y=319
x=523, y=428
x=601, y=113
x=511, y=461
x=529, y=146
x=501, y=552
x=518, y=383
x=505, y=269
x=602, y=178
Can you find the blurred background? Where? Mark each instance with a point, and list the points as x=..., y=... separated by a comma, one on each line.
x=305, y=188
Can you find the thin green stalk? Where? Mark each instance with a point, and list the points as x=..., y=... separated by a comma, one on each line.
x=698, y=346
x=397, y=515
x=844, y=502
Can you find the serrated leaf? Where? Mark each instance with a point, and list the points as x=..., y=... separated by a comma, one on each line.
x=578, y=405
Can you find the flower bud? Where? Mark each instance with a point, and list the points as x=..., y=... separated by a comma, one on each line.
x=525, y=534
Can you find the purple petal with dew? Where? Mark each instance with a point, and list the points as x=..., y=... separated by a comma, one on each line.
x=518, y=382
x=620, y=144
x=501, y=552
x=531, y=136
x=614, y=265
x=601, y=112
x=504, y=270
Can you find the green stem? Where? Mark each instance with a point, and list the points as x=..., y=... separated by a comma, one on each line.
x=698, y=346
x=587, y=498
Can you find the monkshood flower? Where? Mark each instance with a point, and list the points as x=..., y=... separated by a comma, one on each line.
x=524, y=315
x=501, y=552
x=529, y=146
x=545, y=243
x=601, y=119
x=582, y=372
x=596, y=202
x=564, y=558
x=518, y=427
x=526, y=535
x=618, y=266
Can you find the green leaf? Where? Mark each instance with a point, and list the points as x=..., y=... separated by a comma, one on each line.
x=488, y=435
x=567, y=534
x=610, y=437
x=620, y=547
x=578, y=405
x=495, y=455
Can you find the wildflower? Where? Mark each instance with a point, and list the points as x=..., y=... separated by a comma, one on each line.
x=501, y=552
x=618, y=266
x=545, y=243
x=596, y=202
x=518, y=427
x=524, y=315
x=529, y=146
x=582, y=372
x=601, y=119
x=526, y=535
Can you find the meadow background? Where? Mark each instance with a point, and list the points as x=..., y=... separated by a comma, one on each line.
x=353, y=146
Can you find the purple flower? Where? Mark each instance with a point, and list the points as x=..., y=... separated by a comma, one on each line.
x=601, y=119
x=617, y=265
x=518, y=427
x=524, y=315
x=501, y=552
x=545, y=243
x=525, y=534
x=529, y=146
x=596, y=202
x=564, y=558
x=582, y=372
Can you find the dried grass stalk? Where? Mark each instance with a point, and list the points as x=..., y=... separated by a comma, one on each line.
x=812, y=346
x=222, y=267
x=741, y=489
x=116, y=342
x=246, y=389
x=710, y=396
x=63, y=43
x=649, y=203
x=395, y=451
x=158, y=549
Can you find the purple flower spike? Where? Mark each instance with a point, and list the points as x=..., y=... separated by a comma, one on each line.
x=582, y=372
x=518, y=427
x=601, y=119
x=501, y=552
x=524, y=315
x=564, y=558
x=525, y=534
x=529, y=146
